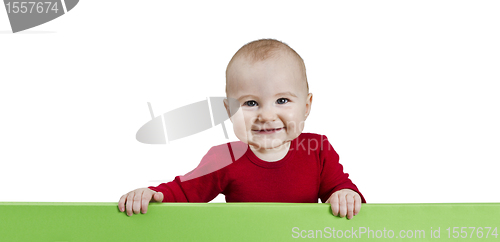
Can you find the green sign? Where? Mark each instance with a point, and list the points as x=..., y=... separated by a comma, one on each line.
x=247, y=222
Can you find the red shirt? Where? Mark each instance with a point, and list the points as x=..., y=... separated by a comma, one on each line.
x=310, y=170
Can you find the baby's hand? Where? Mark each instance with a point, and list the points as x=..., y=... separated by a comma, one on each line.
x=345, y=202
x=138, y=200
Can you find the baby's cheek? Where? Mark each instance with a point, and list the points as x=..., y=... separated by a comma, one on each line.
x=293, y=130
x=240, y=132
x=240, y=126
x=295, y=125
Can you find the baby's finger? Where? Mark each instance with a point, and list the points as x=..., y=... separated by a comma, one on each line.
x=350, y=206
x=137, y=202
x=158, y=197
x=357, y=204
x=334, y=202
x=342, y=206
x=121, y=202
x=130, y=203
x=146, y=197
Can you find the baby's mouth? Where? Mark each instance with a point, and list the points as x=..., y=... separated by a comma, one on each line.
x=268, y=131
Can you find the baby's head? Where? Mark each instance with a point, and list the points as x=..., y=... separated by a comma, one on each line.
x=268, y=80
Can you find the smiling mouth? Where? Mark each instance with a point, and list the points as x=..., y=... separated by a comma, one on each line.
x=267, y=131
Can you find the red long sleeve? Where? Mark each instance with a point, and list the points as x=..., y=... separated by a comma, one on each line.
x=309, y=171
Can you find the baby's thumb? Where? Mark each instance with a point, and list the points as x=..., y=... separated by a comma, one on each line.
x=158, y=197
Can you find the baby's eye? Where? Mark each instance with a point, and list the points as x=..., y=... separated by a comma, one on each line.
x=282, y=100
x=250, y=103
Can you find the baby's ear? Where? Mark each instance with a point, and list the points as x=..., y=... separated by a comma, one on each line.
x=232, y=105
x=226, y=105
x=308, y=103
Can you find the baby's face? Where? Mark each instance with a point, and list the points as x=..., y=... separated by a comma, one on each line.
x=273, y=100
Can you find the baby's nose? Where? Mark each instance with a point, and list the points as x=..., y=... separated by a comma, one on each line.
x=267, y=114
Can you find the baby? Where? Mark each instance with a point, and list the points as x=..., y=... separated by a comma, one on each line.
x=268, y=101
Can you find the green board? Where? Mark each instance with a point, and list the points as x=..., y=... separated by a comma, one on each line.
x=24, y=221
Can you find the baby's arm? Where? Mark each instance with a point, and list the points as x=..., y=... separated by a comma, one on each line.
x=336, y=188
x=199, y=185
x=345, y=202
x=138, y=200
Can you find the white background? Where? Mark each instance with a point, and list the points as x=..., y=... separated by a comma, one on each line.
x=406, y=91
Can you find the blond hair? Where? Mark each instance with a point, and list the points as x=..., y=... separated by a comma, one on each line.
x=264, y=49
